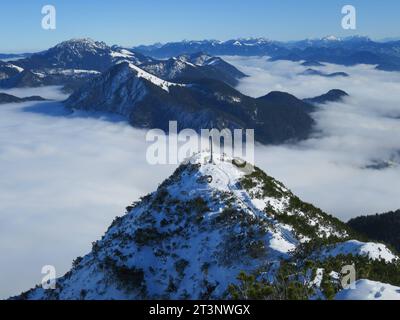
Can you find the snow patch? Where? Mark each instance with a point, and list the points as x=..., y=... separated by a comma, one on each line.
x=369, y=290
x=375, y=251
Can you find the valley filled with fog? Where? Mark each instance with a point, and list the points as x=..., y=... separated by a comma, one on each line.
x=336, y=170
x=66, y=176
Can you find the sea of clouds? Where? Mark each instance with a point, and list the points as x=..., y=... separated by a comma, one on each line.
x=330, y=169
x=64, y=177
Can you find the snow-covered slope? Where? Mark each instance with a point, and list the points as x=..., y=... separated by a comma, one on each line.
x=8, y=70
x=123, y=90
x=188, y=239
x=369, y=290
x=152, y=78
x=192, y=237
x=372, y=250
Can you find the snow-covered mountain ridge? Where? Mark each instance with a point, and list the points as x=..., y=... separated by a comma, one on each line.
x=75, y=62
x=149, y=101
x=192, y=237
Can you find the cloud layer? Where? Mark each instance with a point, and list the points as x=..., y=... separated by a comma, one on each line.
x=329, y=170
x=62, y=182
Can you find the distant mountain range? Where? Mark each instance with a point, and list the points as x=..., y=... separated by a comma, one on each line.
x=72, y=63
x=330, y=49
x=194, y=89
x=13, y=56
x=8, y=98
x=213, y=231
x=346, y=51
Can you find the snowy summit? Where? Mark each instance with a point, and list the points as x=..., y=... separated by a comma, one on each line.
x=192, y=237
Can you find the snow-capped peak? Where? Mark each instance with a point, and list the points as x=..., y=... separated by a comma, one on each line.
x=191, y=238
x=249, y=41
x=331, y=38
x=83, y=43
x=202, y=59
x=221, y=167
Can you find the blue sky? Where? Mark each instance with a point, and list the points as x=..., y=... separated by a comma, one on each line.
x=132, y=22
